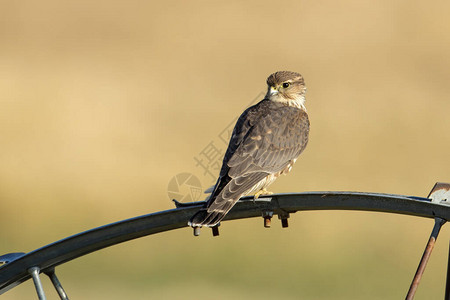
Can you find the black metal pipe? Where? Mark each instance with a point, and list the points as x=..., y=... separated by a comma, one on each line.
x=52, y=255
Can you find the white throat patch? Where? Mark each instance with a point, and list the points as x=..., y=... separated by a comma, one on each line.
x=298, y=102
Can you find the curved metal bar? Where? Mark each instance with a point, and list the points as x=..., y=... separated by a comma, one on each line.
x=52, y=255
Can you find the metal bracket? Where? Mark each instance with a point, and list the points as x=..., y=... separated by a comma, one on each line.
x=440, y=193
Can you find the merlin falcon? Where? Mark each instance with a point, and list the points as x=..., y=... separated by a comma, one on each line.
x=266, y=141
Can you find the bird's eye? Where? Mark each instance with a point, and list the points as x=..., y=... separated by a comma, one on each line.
x=286, y=85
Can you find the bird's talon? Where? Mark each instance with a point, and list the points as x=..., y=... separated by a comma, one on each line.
x=263, y=192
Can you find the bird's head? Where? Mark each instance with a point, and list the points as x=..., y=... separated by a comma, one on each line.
x=286, y=87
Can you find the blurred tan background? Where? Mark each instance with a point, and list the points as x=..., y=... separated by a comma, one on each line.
x=103, y=102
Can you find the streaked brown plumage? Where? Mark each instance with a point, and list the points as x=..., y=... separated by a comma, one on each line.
x=266, y=141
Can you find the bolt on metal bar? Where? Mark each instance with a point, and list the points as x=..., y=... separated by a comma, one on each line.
x=57, y=284
x=215, y=230
x=284, y=219
x=267, y=216
x=196, y=231
x=34, y=272
x=438, y=222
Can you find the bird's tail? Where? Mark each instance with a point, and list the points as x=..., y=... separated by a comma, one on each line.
x=205, y=218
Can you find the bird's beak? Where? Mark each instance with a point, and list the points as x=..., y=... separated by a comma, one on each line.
x=273, y=91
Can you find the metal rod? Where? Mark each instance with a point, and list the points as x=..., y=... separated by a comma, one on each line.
x=57, y=284
x=438, y=222
x=447, y=285
x=34, y=272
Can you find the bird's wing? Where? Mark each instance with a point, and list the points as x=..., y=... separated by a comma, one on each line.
x=245, y=123
x=266, y=141
x=273, y=142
